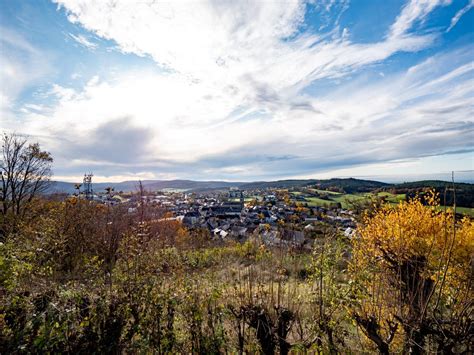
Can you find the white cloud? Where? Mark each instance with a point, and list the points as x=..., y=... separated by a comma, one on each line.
x=234, y=43
x=232, y=99
x=21, y=66
x=460, y=14
x=425, y=168
x=424, y=111
x=83, y=41
x=20, y=63
x=414, y=10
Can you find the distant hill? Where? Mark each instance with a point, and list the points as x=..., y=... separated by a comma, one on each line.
x=432, y=183
x=351, y=185
x=283, y=184
x=347, y=185
x=464, y=191
x=153, y=185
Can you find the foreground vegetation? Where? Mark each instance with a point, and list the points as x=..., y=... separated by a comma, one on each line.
x=83, y=277
x=80, y=277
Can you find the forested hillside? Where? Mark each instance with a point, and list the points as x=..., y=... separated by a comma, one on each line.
x=462, y=193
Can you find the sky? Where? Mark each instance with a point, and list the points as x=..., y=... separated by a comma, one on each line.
x=242, y=90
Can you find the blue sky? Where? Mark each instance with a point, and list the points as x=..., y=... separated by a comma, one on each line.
x=242, y=90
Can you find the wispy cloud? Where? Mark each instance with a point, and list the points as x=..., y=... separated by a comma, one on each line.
x=460, y=14
x=22, y=65
x=83, y=41
x=231, y=93
x=414, y=11
x=241, y=44
x=424, y=111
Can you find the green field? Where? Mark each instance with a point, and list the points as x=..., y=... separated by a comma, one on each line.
x=346, y=199
x=315, y=201
x=325, y=192
x=391, y=197
x=335, y=197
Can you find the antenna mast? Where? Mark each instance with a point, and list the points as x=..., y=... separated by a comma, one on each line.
x=87, y=183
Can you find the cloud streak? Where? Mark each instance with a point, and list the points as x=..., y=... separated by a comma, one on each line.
x=83, y=41
x=460, y=14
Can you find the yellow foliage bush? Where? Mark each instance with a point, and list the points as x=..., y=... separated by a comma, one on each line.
x=413, y=265
x=412, y=230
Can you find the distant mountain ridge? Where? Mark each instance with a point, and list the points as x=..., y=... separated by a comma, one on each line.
x=154, y=185
x=349, y=185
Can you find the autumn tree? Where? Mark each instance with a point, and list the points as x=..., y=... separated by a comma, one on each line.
x=25, y=172
x=413, y=264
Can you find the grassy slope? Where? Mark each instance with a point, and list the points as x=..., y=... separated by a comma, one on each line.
x=326, y=192
x=345, y=200
x=314, y=201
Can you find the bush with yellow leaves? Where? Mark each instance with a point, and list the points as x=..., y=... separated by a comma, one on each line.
x=413, y=267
